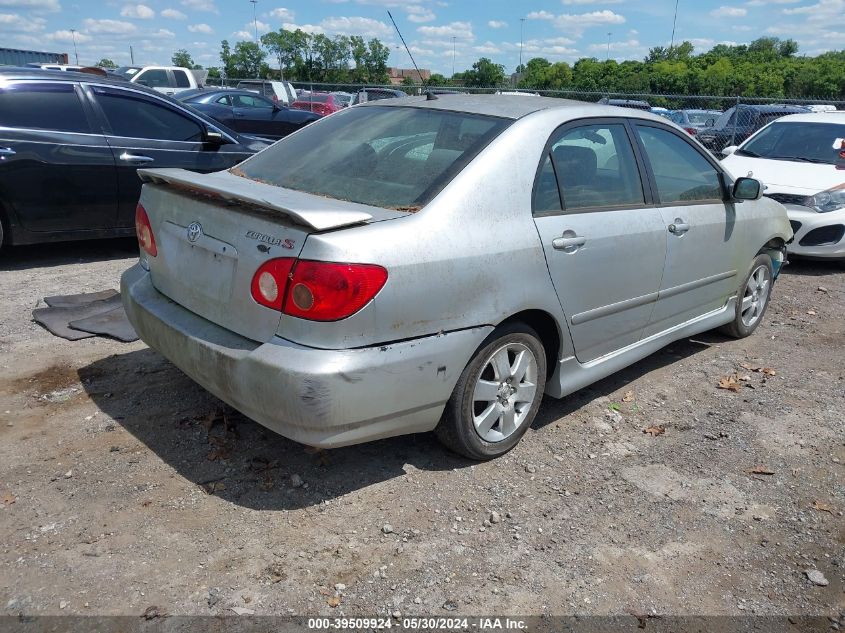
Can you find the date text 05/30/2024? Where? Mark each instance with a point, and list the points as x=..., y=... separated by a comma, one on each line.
x=420, y=623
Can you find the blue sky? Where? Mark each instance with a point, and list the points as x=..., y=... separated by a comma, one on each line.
x=555, y=29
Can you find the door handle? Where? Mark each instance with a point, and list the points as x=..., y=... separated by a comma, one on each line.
x=134, y=158
x=7, y=151
x=569, y=242
x=679, y=227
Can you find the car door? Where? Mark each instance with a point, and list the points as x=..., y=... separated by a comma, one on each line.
x=699, y=227
x=604, y=242
x=145, y=131
x=57, y=172
x=254, y=114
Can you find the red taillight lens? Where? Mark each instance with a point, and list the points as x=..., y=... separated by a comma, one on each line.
x=270, y=282
x=325, y=291
x=691, y=131
x=144, y=231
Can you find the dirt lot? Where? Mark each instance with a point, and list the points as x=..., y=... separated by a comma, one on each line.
x=124, y=485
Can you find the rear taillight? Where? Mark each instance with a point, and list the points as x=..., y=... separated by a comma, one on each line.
x=271, y=281
x=691, y=131
x=144, y=231
x=317, y=291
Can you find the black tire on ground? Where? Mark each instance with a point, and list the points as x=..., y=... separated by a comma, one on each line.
x=456, y=429
x=738, y=328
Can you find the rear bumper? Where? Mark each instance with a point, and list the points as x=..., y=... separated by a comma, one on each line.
x=325, y=398
x=809, y=220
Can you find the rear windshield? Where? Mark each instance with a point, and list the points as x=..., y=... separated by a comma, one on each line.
x=701, y=118
x=396, y=158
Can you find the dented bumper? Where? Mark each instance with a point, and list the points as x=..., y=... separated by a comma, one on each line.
x=325, y=398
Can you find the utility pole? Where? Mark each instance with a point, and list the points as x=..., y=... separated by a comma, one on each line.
x=674, y=23
x=521, y=32
x=75, y=52
x=453, y=57
x=608, y=47
x=255, y=18
x=131, y=55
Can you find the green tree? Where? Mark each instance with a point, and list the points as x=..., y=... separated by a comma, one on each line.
x=437, y=79
x=485, y=74
x=105, y=62
x=183, y=59
x=227, y=59
x=376, y=61
x=246, y=60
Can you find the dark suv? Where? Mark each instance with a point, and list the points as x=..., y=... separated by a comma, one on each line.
x=737, y=124
x=70, y=145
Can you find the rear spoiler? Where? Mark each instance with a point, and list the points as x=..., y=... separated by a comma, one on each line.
x=316, y=212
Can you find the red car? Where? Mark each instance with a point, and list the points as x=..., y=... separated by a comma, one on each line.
x=320, y=102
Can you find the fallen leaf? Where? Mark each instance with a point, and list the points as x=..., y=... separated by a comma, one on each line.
x=730, y=383
x=655, y=430
x=628, y=397
x=769, y=371
x=209, y=420
x=749, y=367
x=761, y=470
x=822, y=507
x=152, y=612
x=822, y=289
x=8, y=498
x=217, y=454
x=613, y=406
x=146, y=503
x=745, y=378
x=811, y=312
x=333, y=602
x=215, y=486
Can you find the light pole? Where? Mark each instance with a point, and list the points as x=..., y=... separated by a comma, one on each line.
x=75, y=52
x=521, y=32
x=255, y=18
x=674, y=23
x=607, y=59
x=453, y=56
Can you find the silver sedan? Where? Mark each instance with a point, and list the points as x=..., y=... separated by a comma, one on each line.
x=440, y=263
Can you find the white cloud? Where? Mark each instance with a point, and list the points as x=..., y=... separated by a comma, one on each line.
x=67, y=37
x=458, y=30
x=138, y=12
x=824, y=11
x=162, y=34
x=593, y=2
x=729, y=12
x=31, y=5
x=365, y=27
x=243, y=35
x=202, y=27
x=201, y=5
x=419, y=14
x=540, y=15
x=584, y=20
x=173, y=14
x=280, y=13
x=307, y=28
x=497, y=24
x=19, y=23
x=762, y=3
x=112, y=27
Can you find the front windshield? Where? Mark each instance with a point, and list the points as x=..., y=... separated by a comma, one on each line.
x=701, y=118
x=810, y=142
x=397, y=158
x=127, y=71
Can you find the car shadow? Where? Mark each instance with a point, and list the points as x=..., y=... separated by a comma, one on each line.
x=238, y=460
x=813, y=267
x=62, y=253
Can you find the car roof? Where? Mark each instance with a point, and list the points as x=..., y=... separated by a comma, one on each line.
x=774, y=108
x=812, y=117
x=511, y=106
x=61, y=75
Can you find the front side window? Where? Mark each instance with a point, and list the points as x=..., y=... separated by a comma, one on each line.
x=135, y=116
x=801, y=142
x=397, y=158
x=248, y=101
x=596, y=167
x=182, y=80
x=154, y=78
x=681, y=173
x=224, y=101
x=42, y=106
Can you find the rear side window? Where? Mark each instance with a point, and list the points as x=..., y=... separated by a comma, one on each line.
x=681, y=173
x=596, y=167
x=248, y=101
x=154, y=78
x=395, y=158
x=134, y=116
x=42, y=106
x=182, y=80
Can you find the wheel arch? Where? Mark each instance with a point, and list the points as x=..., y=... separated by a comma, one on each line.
x=547, y=329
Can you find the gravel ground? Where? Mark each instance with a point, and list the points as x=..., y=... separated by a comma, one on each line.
x=123, y=485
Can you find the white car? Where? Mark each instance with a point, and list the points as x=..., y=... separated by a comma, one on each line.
x=277, y=91
x=801, y=160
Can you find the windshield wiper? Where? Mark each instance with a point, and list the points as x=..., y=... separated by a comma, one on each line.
x=803, y=159
x=745, y=152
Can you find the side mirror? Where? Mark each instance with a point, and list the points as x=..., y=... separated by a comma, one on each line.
x=729, y=150
x=747, y=189
x=213, y=137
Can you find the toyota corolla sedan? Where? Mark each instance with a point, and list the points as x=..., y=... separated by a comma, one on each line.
x=438, y=264
x=801, y=161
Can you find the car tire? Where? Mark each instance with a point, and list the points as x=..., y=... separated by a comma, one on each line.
x=753, y=298
x=489, y=411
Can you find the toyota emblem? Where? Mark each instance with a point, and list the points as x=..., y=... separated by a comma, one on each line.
x=194, y=231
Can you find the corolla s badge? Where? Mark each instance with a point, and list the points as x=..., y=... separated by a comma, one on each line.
x=194, y=231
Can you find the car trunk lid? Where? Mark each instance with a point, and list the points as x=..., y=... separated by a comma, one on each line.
x=213, y=231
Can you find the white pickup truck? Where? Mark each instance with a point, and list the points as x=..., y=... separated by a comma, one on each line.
x=169, y=80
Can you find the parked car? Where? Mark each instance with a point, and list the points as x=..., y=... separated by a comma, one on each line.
x=249, y=113
x=169, y=80
x=280, y=92
x=323, y=103
x=63, y=67
x=738, y=123
x=693, y=121
x=520, y=93
x=344, y=98
x=801, y=160
x=70, y=146
x=413, y=265
x=376, y=94
x=626, y=103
